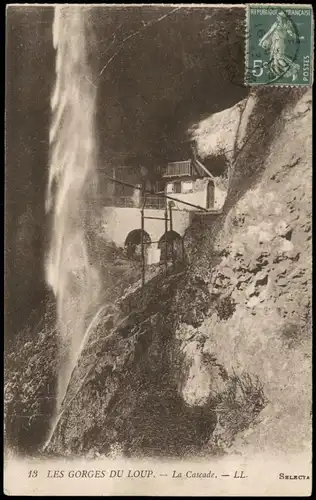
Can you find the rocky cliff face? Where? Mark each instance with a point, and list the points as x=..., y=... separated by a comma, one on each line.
x=216, y=357
x=259, y=321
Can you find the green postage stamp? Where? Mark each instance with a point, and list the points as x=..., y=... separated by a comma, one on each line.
x=279, y=45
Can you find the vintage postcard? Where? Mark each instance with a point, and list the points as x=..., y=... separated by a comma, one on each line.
x=158, y=256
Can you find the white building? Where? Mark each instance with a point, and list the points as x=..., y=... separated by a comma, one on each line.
x=189, y=181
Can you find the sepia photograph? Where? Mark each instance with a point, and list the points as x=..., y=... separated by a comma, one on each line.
x=158, y=249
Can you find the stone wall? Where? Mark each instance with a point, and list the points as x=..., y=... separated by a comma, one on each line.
x=119, y=222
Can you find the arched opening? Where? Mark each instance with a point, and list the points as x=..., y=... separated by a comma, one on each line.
x=133, y=244
x=174, y=249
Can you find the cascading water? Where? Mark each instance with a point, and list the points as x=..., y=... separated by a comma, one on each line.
x=72, y=187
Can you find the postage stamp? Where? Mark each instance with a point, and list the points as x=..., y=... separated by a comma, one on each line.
x=279, y=45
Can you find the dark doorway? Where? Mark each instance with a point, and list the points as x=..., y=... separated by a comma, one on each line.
x=210, y=198
x=174, y=244
x=133, y=243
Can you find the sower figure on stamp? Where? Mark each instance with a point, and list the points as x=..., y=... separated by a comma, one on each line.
x=275, y=40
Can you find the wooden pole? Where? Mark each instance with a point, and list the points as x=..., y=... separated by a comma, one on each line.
x=142, y=240
x=166, y=247
x=182, y=246
x=142, y=246
x=171, y=229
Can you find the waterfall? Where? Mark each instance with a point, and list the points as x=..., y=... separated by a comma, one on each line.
x=72, y=186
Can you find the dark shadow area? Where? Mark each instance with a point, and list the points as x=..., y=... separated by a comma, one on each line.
x=133, y=243
x=164, y=78
x=29, y=80
x=175, y=247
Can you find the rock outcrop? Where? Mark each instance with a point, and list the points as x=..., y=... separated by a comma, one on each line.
x=124, y=393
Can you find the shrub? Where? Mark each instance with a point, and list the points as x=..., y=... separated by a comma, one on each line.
x=237, y=409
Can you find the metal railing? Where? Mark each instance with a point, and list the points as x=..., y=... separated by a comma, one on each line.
x=122, y=201
x=155, y=202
